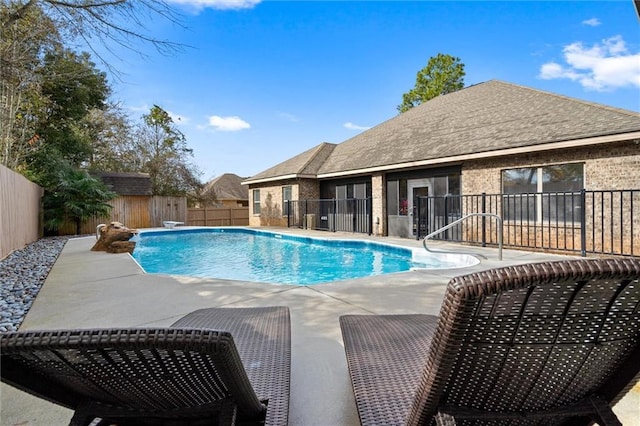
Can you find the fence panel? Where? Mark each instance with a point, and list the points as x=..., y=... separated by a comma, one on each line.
x=20, y=218
x=130, y=210
x=218, y=216
x=612, y=224
x=167, y=208
x=135, y=212
x=344, y=215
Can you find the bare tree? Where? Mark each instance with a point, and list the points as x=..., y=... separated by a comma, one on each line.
x=30, y=29
x=112, y=24
x=112, y=147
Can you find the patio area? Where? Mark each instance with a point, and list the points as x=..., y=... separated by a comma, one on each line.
x=88, y=289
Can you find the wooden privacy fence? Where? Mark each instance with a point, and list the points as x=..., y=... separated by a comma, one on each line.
x=218, y=216
x=20, y=222
x=135, y=212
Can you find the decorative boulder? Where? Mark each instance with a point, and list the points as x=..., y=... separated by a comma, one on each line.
x=111, y=237
x=121, y=247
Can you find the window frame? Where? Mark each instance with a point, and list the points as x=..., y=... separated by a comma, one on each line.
x=541, y=210
x=285, y=204
x=256, y=201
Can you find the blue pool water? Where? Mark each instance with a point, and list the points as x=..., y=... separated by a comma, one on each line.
x=250, y=255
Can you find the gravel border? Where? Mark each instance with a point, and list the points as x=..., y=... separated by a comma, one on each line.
x=22, y=274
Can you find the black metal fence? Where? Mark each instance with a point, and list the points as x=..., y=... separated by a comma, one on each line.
x=583, y=222
x=348, y=215
x=596, y=222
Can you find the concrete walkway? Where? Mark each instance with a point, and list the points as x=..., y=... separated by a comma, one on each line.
x=88, y=289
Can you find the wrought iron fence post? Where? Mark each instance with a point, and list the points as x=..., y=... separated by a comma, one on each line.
x=484, y=220
x=446, y=215
x=304, y=216
x=354, y=209
x=418, y=213
x=335, y=215
x=369, y=201
x=583, y=222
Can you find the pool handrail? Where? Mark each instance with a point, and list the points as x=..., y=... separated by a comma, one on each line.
x=454, y=223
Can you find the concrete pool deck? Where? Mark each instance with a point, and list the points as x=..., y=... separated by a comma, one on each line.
x=88, y=289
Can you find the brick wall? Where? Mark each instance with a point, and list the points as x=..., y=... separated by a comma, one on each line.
x=271, y=200
x=378, y=203
x=614, y=166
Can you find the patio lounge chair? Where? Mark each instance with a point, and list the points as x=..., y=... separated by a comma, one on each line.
x=541, y=343
x=189, y=373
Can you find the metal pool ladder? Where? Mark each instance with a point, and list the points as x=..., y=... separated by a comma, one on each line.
x=462, y=219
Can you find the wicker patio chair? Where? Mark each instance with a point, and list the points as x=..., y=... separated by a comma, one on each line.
x=213, y=366
x=543, y=343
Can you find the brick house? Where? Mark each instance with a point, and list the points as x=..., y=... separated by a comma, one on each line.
x=228, y=190
x=494, y=137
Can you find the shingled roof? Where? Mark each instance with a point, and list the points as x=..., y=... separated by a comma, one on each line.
x=126, y=183
x=487, y=119
x=304, y=165
x=228, y=186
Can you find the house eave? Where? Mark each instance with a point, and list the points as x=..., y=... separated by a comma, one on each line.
x=278, y=178
x=575, y=143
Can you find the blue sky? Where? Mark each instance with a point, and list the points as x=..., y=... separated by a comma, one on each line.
x=264, y=81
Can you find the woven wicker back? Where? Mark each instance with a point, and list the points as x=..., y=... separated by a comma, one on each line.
x=534, y=336
x=181, y=372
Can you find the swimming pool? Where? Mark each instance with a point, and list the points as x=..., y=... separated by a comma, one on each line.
x=245, y=254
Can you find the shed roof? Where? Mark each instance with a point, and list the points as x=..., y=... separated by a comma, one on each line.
x=126, y=183
x=304, y=165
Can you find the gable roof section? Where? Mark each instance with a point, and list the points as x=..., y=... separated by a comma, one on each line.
x=304, y=165
x=228, y=186
x=484, y=120
x=126, y=183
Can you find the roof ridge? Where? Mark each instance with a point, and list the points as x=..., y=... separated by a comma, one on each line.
x=567, y=98
x=319, y=149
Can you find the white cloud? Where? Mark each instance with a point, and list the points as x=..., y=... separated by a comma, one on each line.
x=228, y=124
x=593, y=22
x=604, y=66
x=349, y=125
x=217, y=4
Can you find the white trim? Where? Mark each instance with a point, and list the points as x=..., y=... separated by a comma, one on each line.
x=278, y=178
x=483, y=155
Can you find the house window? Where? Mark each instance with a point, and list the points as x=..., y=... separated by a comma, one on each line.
x=392, y=198
x=350, y=197
x=341, y=192
x=286, y=197
x=256, y=201
x=550, y=193
x=397, y=203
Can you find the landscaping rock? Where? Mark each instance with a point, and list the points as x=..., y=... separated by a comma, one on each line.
x=22, y=274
